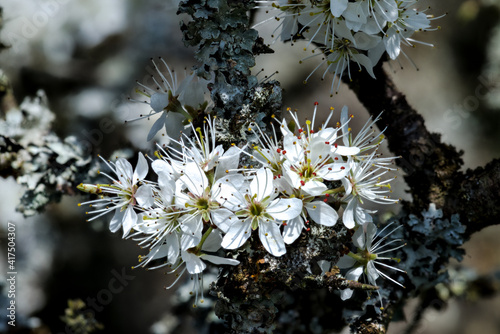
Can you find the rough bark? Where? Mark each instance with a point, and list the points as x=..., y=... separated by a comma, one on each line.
x=432, y=168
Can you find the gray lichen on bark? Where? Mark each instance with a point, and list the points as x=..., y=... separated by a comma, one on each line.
x=226, y=50
x=46, y=165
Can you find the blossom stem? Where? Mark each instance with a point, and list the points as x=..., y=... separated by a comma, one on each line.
x=197, y=249
x=357, y=257
x=335, y=191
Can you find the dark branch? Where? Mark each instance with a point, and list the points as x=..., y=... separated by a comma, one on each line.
x=476, y=197
x=432, y=167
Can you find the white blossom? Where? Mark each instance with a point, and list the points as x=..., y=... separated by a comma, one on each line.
x=260, y=209
x=364, y=183
x=171, y=98
x=350, y=33
x=122, y=195
x=368, y=256
x=311, y=157
x=193, y=259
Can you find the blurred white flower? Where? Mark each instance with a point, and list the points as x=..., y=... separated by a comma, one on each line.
x=176, y=101
x=350, y=32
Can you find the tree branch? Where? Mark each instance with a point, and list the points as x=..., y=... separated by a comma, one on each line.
x=432, y=167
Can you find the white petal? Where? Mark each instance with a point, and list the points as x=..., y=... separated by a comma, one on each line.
x=192, y=225
x=220, y=260
x=271, y=238
x=173, y=250
x=188, y=241
x=116, y=221
x=212, y=159
x=157, y=126
x=238, y=181
x=159, y=101
x=347, y=186
x=174, y=125
x=262, y=184
x=376, y=53
x=362, y=216
x=228, y=161
x=346, y=294
x=326, y=134
x=183, y=86
x=194, y=264
x=288, y=28
x=293, y=229
x=348, y=216
x=337, y=7
x=238, y=233
x=389, y=9
x=194, y=178
x=124, y=171
x=359, y=238
x=345, y=262
x=144, y=196
x=365, y=41
x=180, y=197
x=223, y=219
x=364, y=61
x=416, y=20
x=372, y=272
x=141, y=170
x=341, y=30
x=353, y=275
x=163, y=169
x=229, y=196
x=292, y=176
x=346, y=150
x=284, y=184
x=392, y=42
x=213, y=242
x=325, y=266
x=344, y=121
x=129, y=220
x=167, y=188
x=356, y=15
x=334, y=171
x=158, y=252
x=285, y=208
x=371, y=230
x=314, y=188
x=149, y=226
x=322, y=213
x=192, y=92
x=319, y=150
x=294, y=151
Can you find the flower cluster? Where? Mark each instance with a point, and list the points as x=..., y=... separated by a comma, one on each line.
x=204, y=200
x=351, y=31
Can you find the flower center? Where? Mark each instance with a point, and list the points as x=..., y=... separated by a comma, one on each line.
x=307, y=171
x=367, y=256
x=202, y=203
x=256, y=209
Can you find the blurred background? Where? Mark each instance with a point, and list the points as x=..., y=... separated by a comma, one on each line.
x=87, y=55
